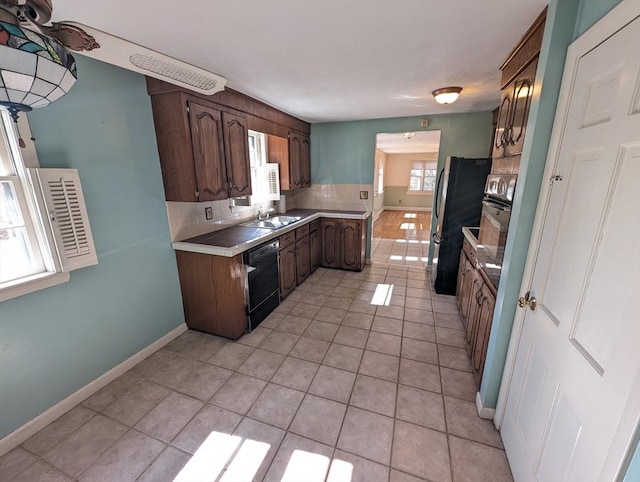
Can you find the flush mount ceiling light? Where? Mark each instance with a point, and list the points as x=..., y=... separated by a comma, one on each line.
x=35, y=69
x=447, y=95
x=409, y=135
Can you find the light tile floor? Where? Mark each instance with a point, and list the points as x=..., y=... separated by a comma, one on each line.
x=404, y=252
x=330, y=388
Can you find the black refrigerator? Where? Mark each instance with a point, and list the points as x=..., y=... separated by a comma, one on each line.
x=458, y=203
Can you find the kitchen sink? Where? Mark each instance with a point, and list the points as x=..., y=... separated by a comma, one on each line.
x=275, y=222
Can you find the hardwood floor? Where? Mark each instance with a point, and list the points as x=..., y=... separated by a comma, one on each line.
x=401, y=238
x=414, y=225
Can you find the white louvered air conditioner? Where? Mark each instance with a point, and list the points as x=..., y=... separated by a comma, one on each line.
x=60, y=193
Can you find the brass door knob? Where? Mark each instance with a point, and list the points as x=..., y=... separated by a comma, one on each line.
x=528, y=300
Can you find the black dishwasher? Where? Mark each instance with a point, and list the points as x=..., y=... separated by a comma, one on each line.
x=263, y=281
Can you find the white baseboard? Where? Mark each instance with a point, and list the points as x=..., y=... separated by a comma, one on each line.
x=404, y=208
x=33, y=426
x=484, y=412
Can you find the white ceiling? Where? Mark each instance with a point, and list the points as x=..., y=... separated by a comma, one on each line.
x=421, y=142
x=329, y=60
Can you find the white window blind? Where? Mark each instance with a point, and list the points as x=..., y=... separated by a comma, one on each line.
x=60, y=194
x=272, y=174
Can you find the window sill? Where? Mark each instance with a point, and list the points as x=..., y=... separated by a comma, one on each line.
x=420, y=193
x=24, y=286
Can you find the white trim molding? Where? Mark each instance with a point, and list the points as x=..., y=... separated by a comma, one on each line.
x=484, y=412
x=405, y=208
x=32, y=427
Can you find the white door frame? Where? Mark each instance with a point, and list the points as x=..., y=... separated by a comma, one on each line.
x=615, y=20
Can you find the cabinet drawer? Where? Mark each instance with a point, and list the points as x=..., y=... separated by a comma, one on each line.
x=302, y=231
x=287, y=239
x=314, y=225
x=469, y=251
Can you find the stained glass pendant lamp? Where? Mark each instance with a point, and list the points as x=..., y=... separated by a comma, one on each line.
x=35, y=70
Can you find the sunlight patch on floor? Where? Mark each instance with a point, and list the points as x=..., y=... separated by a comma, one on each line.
x=210, y=458
x=246, y=462
x=305, y=466
x=382, y=295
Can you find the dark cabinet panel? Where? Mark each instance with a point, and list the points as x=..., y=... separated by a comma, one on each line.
x=293, y=157
x=287, y=270
x=522, y=94
x=213, y=295
x=236, y=155
x=343, y=243
x=315, y=251
x=302, y=259
x=305, y=160
x=294, y=160
x=351, y=245
x=208, y=151
x=330, y=231
x=203, y=150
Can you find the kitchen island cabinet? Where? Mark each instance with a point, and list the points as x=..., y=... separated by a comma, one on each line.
x=213, y=293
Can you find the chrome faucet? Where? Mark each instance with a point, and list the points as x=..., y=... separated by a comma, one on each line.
x=262, y=215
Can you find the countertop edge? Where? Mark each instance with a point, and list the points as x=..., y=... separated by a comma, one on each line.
x=241, y=248
x=470, y=237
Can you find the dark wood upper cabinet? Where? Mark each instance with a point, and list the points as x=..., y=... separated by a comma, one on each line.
x=203, y=150
x=518, y=81
x=236, y=154
x=203, y=141
x=522, y=94
x=293, y=155
x=208, y=150
x=294, y=160
x=305, y=160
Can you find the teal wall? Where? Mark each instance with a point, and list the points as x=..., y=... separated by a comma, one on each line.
x=633, y=473
x=55, y=341
x=343, y=152
x=566, y=20
x=397, y=196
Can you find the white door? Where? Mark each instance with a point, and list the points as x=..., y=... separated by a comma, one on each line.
x=574, y=392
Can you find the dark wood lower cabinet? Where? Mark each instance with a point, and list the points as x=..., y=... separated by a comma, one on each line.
x=330, y=232
x=287, y=270
x=476, y=302
x=302, y=259
x=213, y=295
x=343, y=243
x=315, y=251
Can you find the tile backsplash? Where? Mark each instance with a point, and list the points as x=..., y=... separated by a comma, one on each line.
x=188, y=219
x=332, y=196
